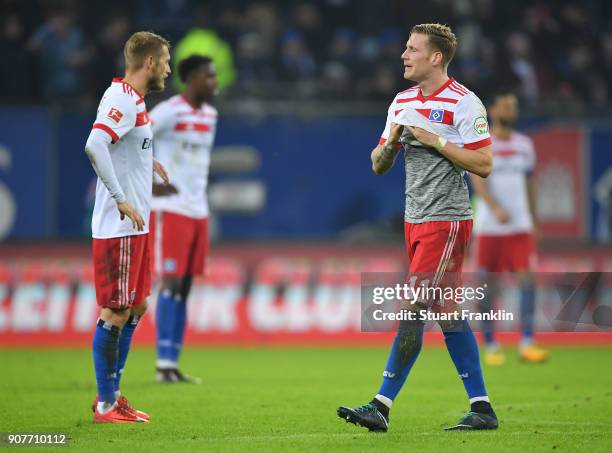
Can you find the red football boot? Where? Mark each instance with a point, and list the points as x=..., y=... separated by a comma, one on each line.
x=123, y=402
x=117, y=414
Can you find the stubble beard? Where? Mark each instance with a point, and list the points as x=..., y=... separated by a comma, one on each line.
x=156, y=83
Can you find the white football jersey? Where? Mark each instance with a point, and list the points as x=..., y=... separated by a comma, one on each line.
x=513, y=160
x=184, y=137
x=435, y=188
x=122, y=114
x=452, y=112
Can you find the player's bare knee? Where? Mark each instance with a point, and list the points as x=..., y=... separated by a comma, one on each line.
x=115, y=316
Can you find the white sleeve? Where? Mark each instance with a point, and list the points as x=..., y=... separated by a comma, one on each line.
x=213, y=129
x=390, y=116
x=116, y=115
x=531, y=157
x=97, y=149
x=162, y=118
x=471, y=122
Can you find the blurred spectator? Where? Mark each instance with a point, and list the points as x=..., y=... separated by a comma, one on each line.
x=335, y=81
x=382, y=82
x=62, y=54
x=296, y=61
x=256, y=46
x=308, y=22
x=255, y=59
x=551, y=51
x=519, y=53
x=18, y=83
x=340, y=67
x=109, y=56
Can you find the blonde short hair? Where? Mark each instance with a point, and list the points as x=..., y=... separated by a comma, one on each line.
x=140, y=45
x=441, y=39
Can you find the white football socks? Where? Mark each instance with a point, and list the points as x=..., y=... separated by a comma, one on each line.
x=383, y=399
x=104, y=407
x=166, y=364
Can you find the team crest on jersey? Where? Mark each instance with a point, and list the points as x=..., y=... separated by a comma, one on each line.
x=114, y=115
x=436, y=115
x=481, y=126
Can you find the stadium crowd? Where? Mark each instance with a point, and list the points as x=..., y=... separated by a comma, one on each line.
x=63, y=52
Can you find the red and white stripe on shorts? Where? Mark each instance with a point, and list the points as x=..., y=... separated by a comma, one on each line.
x=123, y=277
x=122, y=270
x=447, y=252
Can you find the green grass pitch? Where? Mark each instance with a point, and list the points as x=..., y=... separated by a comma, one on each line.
x=271, y=399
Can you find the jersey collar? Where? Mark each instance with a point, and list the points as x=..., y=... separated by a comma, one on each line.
x=189, y=103
x=422, y=98
x=120, y=80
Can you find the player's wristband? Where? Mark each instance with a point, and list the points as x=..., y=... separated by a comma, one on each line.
x=440, y=143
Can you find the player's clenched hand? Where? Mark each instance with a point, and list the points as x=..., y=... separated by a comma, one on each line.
x=395, y=133
x=161, y=171
x=126, y=209
x=423, y=136
x=163, y=190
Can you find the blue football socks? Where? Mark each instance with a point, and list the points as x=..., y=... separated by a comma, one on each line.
x=125, y=339
x=527, y=311
x=180, y=319
x=404, y=352
x=165, y=321
x=463, y=349
x=105, y=357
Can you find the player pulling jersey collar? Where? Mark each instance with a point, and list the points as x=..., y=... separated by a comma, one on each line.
x=452, y=137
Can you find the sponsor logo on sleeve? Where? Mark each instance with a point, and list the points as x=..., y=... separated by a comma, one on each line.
x=481, y=126
x=114, y=115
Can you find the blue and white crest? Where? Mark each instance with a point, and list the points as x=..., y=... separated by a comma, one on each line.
x=436, y=115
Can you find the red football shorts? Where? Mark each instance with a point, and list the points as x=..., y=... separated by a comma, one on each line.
x=436, y=251
x=507, y=253
x=122, y=271
x=179, y=244
x=437, y=247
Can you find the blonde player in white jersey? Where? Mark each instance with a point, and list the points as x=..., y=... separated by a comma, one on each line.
x=506, y=222
x=184, y=128
x=120, y=149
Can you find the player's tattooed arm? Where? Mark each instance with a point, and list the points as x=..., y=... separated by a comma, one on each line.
x=383, y=156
